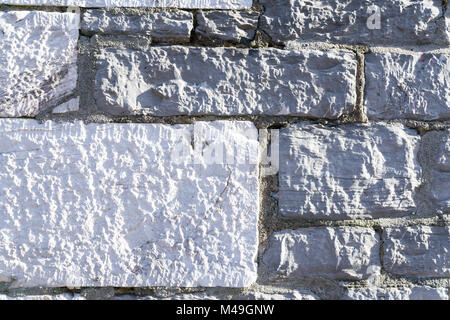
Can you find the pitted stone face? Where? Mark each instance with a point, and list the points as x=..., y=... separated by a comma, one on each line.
x=165, y=81
x=125, y=205
x=186, y=4
x=38, y=55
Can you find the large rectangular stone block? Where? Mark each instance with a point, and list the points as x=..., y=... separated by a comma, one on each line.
x=128, y=205
x=340, y=253
x=412, y=86
x=347, y=172
x=188, y=4
x=370, y=22
x=179, y=80
x=419, y=251
x=162, y=26
x=38, y=55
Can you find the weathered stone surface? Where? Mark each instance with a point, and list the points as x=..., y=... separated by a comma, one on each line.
x=419, y=251
x=440, y=184
x=347, y=172
x=342, y=253
x=402, y=22
x=226, y=26
x=187, y=296
x=38, y=54
x=128, y=204
x=251, y=295
x=166, y=81
x=188, y=4
x=414, y=293
x=293, y=295
x=413, y=86
x=66, y=296
x=69, y=106
x=163, y=26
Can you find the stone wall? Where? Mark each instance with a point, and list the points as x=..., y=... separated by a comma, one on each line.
x=280, y=149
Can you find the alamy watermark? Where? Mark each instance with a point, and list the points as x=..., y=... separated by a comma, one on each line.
x=374, y=20
x=208, y=146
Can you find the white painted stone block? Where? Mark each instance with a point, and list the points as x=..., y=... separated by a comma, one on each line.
x=38, y=54
x=411, y=86
x=187, y=4
x=340, y=253
x=128, y=204
x=66, y=296
x=419, y=251
x=413, y=293
x=348, y=172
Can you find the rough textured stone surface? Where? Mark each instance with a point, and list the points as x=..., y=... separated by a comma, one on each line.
x=414, y=293
x=163, y=26
x=294, y=295
x=66, y=296
x=226, y=26
x=419, y=251
x=413, y=86
x=402, y=22
x=188, y=4
x=128, y=204
x=342, y=253
x=38, y=54
x=166, y=81
x=187, y=296
x=69, y=106
x=347, y=172
x=440, y=185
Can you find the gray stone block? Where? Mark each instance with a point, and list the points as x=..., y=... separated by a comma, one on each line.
x=348, y=172
x=339, y=253
x=402, y=22
x=178, y=80
x=419, y=251
x=226, y=26
x=162, y=26
x=440, y=183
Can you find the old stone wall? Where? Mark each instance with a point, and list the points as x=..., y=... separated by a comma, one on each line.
x=280, y=149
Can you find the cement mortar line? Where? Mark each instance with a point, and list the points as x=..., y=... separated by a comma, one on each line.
x=260, y=121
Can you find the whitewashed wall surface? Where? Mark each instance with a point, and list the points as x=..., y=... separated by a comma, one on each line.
x=224, y=149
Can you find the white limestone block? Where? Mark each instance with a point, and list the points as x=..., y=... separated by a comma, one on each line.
x=38, y=55
x=128, y=205
x=186, y=4
x=413, y=293
x=66, y=296
x=407, y=86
